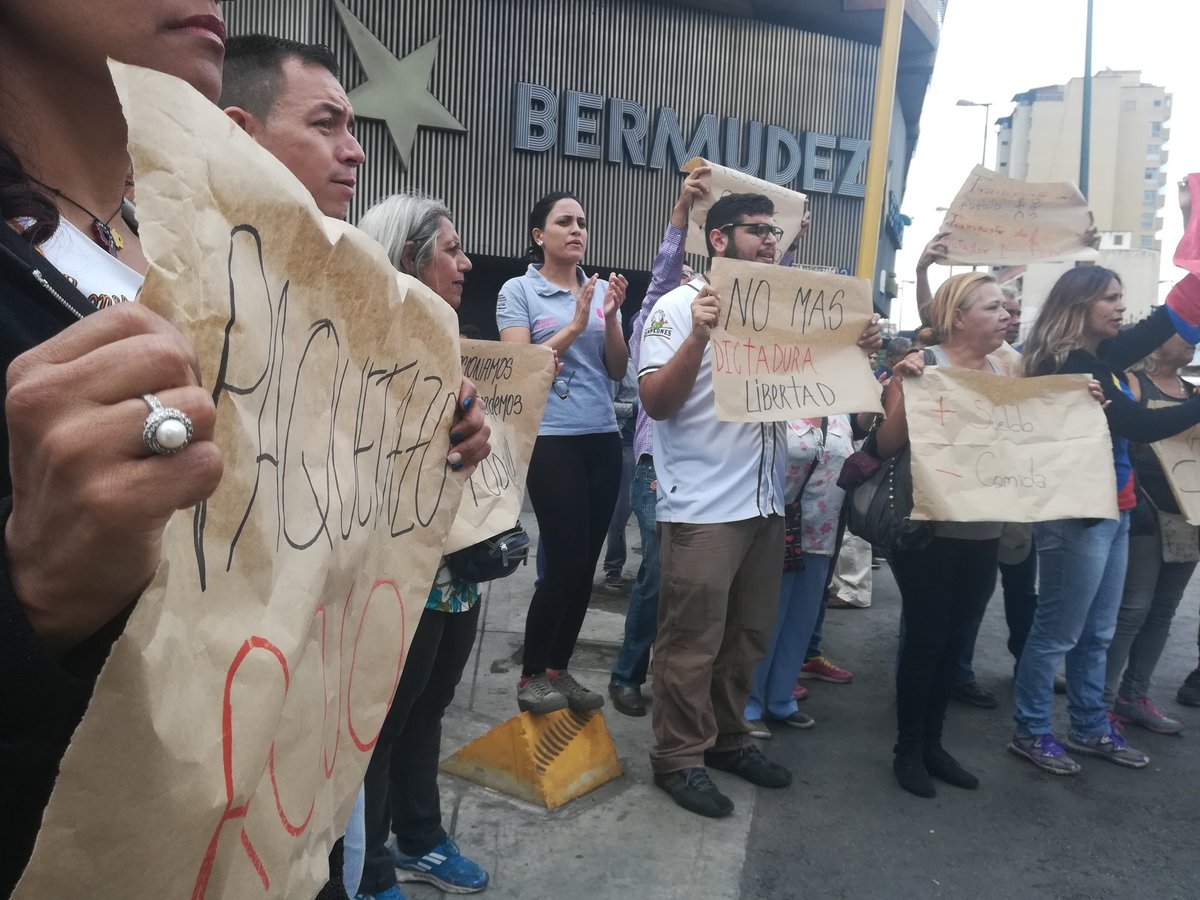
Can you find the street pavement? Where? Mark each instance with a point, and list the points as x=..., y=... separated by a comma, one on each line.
x=843, y=829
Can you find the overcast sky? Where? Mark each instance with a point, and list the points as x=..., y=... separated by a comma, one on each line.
x=992, y=49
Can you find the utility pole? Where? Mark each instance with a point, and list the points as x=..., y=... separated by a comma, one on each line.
x=987, y=118
x=1085, y=142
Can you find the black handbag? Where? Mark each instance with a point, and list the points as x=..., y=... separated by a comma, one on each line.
x=494, y=558
x=879, y=497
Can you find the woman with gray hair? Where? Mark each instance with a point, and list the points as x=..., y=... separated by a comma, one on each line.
x=418, y=233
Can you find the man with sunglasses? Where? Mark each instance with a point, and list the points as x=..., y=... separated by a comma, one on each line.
x=721, y=531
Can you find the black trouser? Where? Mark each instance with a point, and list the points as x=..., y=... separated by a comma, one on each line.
x=1019, y=582
x=401, y=783
x=573, y=482
x=943, y=588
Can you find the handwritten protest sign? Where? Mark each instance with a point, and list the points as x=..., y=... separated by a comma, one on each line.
x=785, y=345
x=988, y=448
x=789, y=205
x=233, y=722
x=1001, y=221
x=1180, y=458
x=513, y=381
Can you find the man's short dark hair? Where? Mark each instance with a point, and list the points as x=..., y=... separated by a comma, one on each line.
x=733, y=208
x=897, y=348
x=253, y=70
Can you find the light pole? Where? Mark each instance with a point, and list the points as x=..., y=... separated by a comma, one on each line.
x=1085, y=138
x=987, y=116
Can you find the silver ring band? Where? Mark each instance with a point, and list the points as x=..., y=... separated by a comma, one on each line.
x=166, y=429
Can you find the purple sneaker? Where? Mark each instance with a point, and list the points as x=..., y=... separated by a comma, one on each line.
x=1044, y=752
x=1109, y=746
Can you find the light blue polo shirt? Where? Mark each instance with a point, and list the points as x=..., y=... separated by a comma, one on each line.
x=533, y=302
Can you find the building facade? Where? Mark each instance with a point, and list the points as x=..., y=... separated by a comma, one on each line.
x=490, y=104
x=1041, y=141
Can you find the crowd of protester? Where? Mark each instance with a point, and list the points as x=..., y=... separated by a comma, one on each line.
x=742, y=537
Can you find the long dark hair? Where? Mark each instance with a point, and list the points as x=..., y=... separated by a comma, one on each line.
x=537, y=219
x=1059, y=326
x=19, y=199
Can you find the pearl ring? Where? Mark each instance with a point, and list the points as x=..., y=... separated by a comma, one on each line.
x=166, y=430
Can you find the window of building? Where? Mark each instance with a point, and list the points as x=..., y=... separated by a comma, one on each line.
x=1150, y=198
x=1147, y=242
x=1158, y=103
x=1129, y=104
x=1152, y=174
x=1155, y=129
x=1148, y=221
x=1153, y=152
x=1118, y=240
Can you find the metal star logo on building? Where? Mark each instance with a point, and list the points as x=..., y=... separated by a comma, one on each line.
x=396, y=90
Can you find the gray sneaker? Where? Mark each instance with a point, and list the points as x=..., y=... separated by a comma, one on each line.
x=1143, y=712
x=579, y=698
x=759, y=730
x=1109, y=746
x=538, y=696
x=1044, y=752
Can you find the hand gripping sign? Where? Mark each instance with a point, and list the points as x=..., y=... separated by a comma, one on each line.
x=988, y=448
x=1003, y=221
x=786, y=343
x=789, y=205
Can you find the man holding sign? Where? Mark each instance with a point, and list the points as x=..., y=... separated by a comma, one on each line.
x=720, y=513
x=273, y=88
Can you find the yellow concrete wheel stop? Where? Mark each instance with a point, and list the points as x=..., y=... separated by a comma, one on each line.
x=548, y=760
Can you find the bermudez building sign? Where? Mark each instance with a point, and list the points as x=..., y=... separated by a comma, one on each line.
x=589, y=126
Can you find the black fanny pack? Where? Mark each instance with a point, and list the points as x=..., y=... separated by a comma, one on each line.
x=494, y=558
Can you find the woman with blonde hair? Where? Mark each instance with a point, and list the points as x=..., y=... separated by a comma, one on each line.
x=944, y=585
x=1083, y=562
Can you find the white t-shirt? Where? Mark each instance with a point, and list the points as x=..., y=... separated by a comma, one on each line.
x=708, y=471
x=99, y=275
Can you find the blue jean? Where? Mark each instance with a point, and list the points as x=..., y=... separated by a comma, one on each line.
x=614, y=554
x=801, y=599
x=641, y=619
x=1082, y=578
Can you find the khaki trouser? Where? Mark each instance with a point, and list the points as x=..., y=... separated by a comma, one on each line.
x=716, y=608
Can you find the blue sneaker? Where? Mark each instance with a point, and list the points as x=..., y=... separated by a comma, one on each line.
x=392, y=893
x=444, y=867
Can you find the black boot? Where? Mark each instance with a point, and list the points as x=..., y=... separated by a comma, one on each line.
x=911, y=772
x=944, y=767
